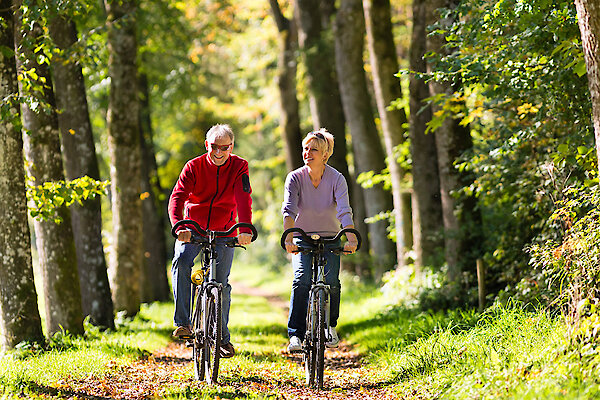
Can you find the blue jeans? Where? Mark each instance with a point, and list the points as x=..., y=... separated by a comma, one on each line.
x=183, y=260
x=302, y=264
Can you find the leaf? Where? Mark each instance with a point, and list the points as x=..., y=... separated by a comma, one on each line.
x=580, y=69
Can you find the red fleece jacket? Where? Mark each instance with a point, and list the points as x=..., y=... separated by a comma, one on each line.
x=214, y=196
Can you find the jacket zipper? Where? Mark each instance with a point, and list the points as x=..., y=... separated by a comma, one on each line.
x=213, y=199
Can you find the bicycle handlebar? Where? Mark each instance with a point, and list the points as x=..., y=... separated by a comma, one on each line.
x=320, y=239
x=203, y=232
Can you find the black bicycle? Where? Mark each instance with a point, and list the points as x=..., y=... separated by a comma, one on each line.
x=206, y=299
x=317, y=315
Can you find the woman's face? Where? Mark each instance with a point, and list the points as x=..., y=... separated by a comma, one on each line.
x=219, y=148
x=312, y=155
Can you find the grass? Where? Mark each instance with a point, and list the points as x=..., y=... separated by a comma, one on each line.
x=507, y=352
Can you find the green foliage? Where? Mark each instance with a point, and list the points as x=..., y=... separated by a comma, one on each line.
x=518, y=67
x=48, y=197
x=569, y=270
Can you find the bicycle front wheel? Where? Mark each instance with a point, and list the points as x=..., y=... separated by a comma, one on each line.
x=320, y=342
x=213, y=324
x=197, y=340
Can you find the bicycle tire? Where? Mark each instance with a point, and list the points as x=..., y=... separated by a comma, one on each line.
x=320, y=342
x=197, y=340
x=309, y=344
x=213, y=331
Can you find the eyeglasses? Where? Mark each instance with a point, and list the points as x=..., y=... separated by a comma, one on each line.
x=223, y=147
x=319, y=135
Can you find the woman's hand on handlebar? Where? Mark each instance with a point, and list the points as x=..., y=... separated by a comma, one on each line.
x=290, y=247
x=350, y=247
x=184, y=235
x=244, y=239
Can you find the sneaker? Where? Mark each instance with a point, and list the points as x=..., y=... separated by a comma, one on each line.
x=334, y=340
x=227, y=350
x=295, y=344
x=182, y=332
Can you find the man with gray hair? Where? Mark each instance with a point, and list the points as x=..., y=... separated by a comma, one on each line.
x=213, y=189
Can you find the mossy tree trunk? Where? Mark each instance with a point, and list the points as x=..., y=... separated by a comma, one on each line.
x=588, y=17
x=124, y=148
x=428, y=224
x=155, y=286
x=80, y=160
x=19, y=315
x=55, y=242
x=286, y=81
x=368, y=151
x=384, y=65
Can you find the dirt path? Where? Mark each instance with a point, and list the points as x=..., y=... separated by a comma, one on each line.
x=169, y=369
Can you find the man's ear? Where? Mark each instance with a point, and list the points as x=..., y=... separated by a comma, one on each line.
x=206, y=145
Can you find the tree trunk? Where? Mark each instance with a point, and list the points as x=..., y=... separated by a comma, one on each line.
x=155, y=286
x=368, y=151
x=426, y=200
x=588, y=17
x=286, y=80
x=55, y=242
x=19, y=315
x=317, y=49
x=384, y=64
x=124, y=148
x=80, y=160
x=461, y=231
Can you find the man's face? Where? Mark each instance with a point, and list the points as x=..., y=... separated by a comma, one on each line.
x=219, y=148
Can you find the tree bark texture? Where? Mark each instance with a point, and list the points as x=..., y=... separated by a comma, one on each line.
x=588, y=17
x=384, y=65
x=55, y=242
x=317, y=49
x=155, y=286
x=79, y=155
x=427, y=206
x=124, y=147
x=368, y=151
x=286, y=81
x=19, y=315
x=462, y=221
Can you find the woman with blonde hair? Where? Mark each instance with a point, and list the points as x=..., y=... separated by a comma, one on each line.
x=316, y=200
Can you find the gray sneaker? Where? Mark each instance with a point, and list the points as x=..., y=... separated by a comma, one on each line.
x=295, y=344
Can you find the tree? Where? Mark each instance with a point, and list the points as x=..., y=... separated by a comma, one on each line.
x=55, y=242
x=19, y=315
x=124, y=148
x=286, y=81
x=384, y=64
x=462, y=220
x=588, y=17
x=155, y=286
x=368, y=151
x=80, y=160
x=427, y=206
x=318, y=54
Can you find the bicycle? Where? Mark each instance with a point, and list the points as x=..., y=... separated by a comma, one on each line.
x=317, y=315
x=206, y=299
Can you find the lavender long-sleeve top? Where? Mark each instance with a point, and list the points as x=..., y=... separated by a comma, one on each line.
x=317, y=209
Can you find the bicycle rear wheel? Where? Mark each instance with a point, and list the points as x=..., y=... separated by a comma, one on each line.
x=320, y=339
x=213, y=330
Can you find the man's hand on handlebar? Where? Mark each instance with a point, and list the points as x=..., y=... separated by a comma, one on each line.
x=184, y=235
x=244, y=239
